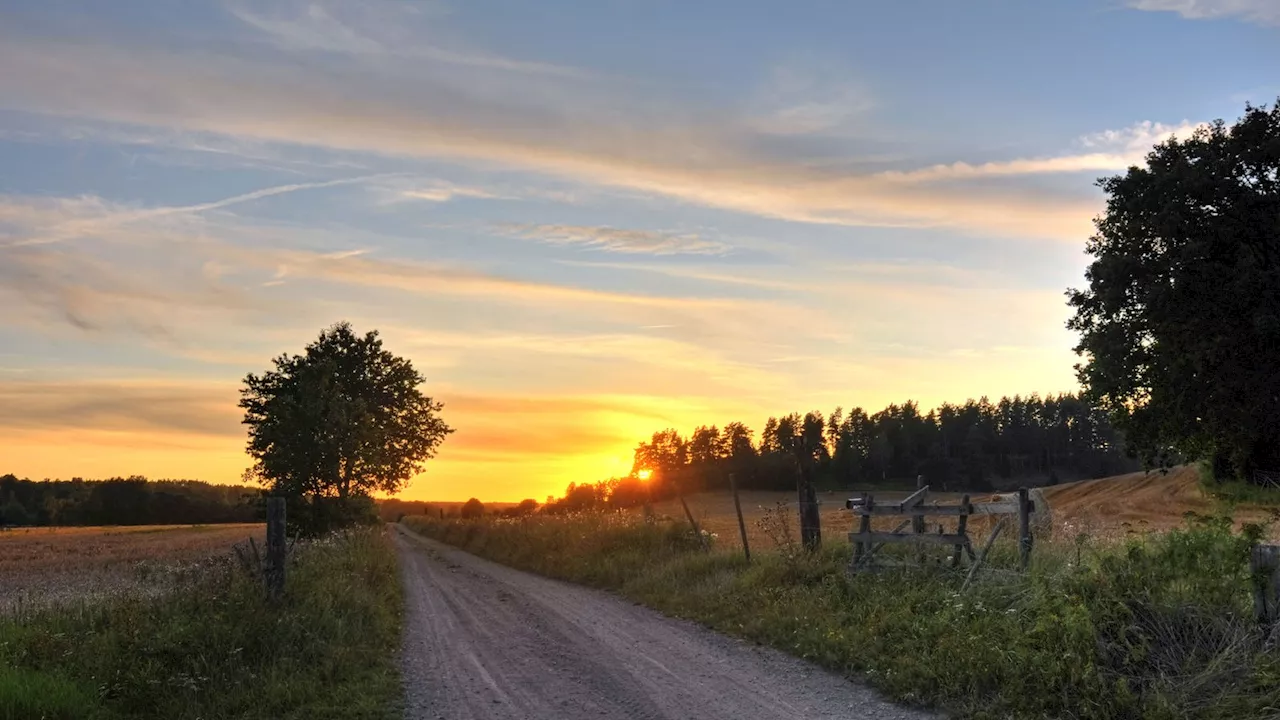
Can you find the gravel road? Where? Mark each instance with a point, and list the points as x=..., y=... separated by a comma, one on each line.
x=485, y=641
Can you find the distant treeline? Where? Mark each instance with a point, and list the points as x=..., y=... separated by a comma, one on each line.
x=124, y=501
x=978, y=445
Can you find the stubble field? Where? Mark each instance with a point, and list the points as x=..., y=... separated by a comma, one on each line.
x=46, y=566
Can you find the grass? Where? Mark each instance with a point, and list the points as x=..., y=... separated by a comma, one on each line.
x=1157, y=627
x=213, y=647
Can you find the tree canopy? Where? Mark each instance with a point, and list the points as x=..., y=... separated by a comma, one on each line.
x=1180, y=323
x=344, y=420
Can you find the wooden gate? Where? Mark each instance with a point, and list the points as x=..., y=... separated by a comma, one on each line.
x=867, y=542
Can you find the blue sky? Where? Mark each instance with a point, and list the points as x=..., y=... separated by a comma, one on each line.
x=583, y=221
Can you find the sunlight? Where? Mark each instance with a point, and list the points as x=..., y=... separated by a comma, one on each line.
x=644, y=474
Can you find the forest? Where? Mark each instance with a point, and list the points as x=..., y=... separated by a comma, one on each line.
x=124, y=501
x=978, y=445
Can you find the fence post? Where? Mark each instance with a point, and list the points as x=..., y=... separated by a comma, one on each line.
x=1264, y=561
x=702, y=540
x=864, y=527
x=1024, y=527
x=961, y=528
x=737, y=506
x=274, y=575
x=810, y=516
x=917, y=521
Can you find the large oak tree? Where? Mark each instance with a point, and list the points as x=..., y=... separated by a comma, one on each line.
x=1180, y=323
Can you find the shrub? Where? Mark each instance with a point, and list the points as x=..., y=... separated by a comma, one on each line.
x=472, y=509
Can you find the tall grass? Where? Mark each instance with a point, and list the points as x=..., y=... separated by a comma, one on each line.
x=1156, y=627
x=215, y=648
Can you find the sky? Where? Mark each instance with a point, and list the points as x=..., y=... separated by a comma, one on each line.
x=583, y=221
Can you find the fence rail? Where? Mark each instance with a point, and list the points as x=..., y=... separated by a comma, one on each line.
x=867, y=542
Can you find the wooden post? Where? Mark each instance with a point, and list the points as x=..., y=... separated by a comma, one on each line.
x=1264, y=561
x=1024, y=528
x=810, y=517
x=960, y=529
x=693, y=523
x=737, y=506
x=864, y=527
x=917, y=522
x=275, y=548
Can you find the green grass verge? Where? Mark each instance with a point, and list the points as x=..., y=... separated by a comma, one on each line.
x=1158, y=628
x=214, y=648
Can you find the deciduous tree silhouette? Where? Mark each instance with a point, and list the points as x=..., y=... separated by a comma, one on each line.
x=330, y=427
x=1180, y=323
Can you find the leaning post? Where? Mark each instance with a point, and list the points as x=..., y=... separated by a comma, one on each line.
x=737, y=506
x=276, y=548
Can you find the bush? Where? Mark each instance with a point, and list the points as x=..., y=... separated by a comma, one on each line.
x=472, y=509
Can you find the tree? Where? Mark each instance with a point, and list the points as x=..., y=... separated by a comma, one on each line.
x=329, y=428
x=1180, y=323
x=472, y=509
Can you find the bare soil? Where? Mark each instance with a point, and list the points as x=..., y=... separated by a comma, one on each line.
x=484, y=641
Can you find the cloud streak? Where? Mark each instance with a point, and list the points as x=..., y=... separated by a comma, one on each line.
x=619, y=240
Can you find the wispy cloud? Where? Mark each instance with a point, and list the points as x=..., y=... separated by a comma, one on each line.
x=809, y=97
x=620, y=240
x=120, y=405
x=398, y=114
x=444, y=192
x=1266, y=12
x=89, y=216
x=373, y=29
x=1110, y=150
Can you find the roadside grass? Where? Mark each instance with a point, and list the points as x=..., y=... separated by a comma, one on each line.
x=1156, y=627
x=215, y=648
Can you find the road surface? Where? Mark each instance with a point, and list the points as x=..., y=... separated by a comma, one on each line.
x=484, y=641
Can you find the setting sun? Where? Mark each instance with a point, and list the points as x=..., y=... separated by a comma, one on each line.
x=644, y=474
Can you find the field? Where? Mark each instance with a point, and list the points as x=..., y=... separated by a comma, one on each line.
x=1141, y=502
x=55, y=566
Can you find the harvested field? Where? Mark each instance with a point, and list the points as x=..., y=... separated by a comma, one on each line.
x=55, y=566
x=1138, y=502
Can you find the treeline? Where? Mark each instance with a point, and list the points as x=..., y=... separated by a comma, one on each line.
x=978, y=445
x=124, y=501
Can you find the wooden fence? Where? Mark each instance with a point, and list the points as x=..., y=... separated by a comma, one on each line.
x=915, y=508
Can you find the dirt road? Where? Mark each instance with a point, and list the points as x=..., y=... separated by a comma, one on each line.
x=486, y=641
